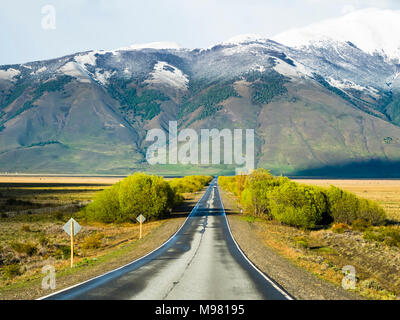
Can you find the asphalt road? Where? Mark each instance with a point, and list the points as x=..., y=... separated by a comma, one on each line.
x=201, y=261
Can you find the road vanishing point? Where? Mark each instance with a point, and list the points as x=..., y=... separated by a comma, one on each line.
x=201, y=261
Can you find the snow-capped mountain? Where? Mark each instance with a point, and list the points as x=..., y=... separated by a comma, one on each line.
x=317, y=97
x=371, y=30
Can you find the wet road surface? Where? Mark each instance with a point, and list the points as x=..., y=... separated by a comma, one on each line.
x=201, y=261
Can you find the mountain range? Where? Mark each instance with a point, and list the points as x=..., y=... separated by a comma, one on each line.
x=324, y=100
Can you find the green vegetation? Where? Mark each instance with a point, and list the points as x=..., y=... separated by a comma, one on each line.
x=24, y=248
x=189, y=184
x=94, y=241
x=49, y=86
x=146, y=104
x=308, y=207
x=388, y=235
x=297, y=205
x=266, y=86
x=11, y=271
x=209, y=100
x=43, y=143
x=149, y=195
x=346, y=207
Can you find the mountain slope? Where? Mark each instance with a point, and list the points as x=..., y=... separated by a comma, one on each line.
x=331, y=103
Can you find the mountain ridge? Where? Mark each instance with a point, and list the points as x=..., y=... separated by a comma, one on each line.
x=313, y=107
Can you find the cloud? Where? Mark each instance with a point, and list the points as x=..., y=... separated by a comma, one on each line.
x=348, y=8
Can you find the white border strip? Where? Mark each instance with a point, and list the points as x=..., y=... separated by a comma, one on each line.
x=104, y=274
x=284, y=293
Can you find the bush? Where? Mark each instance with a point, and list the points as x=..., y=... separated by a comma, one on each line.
x=138, y=194
x=360, y=225
x=11, y=271
x=189, y=184
x=93, y=241
x=25, y=228
x=371, y=212
x=297, y=205
x=25, y=248
x=388, y=235
x=105, y=206
x=343, y=206
x=228, y=184
x=43, y=240
x=256, y=194
x=302, y=242
x=63, y=252
x=340, y=227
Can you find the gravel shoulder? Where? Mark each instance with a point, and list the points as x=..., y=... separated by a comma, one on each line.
x=299, y=283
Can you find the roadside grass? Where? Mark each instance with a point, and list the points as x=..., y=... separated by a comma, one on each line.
x=325, y=252
x=116, y=248
x=31, y=240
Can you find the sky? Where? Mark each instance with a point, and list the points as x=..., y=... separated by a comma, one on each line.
x=43, y=29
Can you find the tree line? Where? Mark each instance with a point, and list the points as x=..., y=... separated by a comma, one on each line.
x=149, y=195
x=263, y=195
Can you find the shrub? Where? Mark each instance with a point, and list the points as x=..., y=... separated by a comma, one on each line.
x=25, y=228
x=302, y=242
x=139, y=194
x=85, y=262
x=371, y=212
x=340, y=227
x=93, y=241
x=63, y=252
x=343, y=206
x=256, y=194
x=43, y=241
x=389, y=235
x=105, y=206
x=360, y=225
x=11, y=271
x=297, y=205
x=189, y=184
x=25, y=248
x=228, y=184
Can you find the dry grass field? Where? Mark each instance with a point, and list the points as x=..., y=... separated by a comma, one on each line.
x=33, y=210
x=385, y=192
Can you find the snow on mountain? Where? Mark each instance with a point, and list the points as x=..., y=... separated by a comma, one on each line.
x=9, y=74
x=87, y=58
x=244, y=38
x=371, y=30
x=296, y=71
x=169, y=75
x=165, y=45
x=73, y=69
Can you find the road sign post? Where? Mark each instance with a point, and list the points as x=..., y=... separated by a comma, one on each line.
x=72, y=228
x=72, y=244
x=140, y=219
